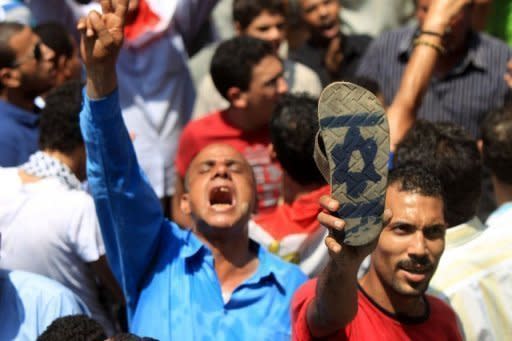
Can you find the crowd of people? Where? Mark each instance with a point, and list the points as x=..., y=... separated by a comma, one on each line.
x=255, y=170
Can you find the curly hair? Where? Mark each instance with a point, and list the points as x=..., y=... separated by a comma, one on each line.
x=413, y=177
x=452, y=155
x=73, y=327
x=59, y=120
x=497, y=143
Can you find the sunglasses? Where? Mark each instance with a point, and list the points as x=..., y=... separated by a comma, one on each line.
x=37, y=54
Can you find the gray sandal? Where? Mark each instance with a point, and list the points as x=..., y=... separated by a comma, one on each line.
x=352, y=153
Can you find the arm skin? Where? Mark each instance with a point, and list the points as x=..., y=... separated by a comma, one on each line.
x=335, y=302
x=419, y=69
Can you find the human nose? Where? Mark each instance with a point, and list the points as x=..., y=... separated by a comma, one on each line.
x=418, y=245
x=322, y=11
x=282, y=86
x=221, y=170
x=48, y=53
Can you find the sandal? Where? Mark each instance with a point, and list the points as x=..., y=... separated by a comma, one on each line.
x=352, y=153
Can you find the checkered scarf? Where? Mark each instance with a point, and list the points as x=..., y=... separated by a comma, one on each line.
x=43, y=165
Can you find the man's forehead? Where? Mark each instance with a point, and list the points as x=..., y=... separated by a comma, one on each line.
x=219, y=152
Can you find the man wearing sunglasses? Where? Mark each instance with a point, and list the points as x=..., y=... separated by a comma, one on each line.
x=26, y=71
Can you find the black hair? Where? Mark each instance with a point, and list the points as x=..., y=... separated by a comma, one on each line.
x=452, y=155
x=56, y=37
x=234, y=60
x=7, y=31
x=413, y=177
x=73, y=327
x=245, y=11
x=293, y=128
x=59, y=127
x=497, y=143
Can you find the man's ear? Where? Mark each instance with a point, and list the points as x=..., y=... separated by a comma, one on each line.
x=10, y=78
x=238, y=28
x=237, y=98
x=272, y=152
x=185, y=204
x=480, y=145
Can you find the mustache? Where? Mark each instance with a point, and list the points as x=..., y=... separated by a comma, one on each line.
x=420, y=265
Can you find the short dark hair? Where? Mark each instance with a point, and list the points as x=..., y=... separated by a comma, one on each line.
x=73, y=327
x=234, y=60
x=59, y=127
x=497, y=143
x=245, y=11
x=293, y=128
x=452, y=154
x=413, y=177
x=7, y=30
x=56, y=37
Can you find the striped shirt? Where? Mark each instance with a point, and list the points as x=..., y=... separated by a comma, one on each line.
x=475, y=277
x=463, y=96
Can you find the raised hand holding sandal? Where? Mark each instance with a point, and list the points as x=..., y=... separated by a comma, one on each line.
x=352, y=152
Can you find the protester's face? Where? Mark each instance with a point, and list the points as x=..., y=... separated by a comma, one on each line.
x=458, y=29
x=34, y=61
x=411, y=245
x=266, y=88
x=221, y=192
x=269, y=27
x=321, y=17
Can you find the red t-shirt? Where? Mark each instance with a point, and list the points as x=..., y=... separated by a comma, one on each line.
x=214, y=128
x=373, y=323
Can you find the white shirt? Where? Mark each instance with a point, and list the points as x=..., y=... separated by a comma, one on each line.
x=53, y=231
x=156, y=91
x=475, y=277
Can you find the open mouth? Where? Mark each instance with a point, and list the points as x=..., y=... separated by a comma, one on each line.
x=221, y=198
x=330, y=29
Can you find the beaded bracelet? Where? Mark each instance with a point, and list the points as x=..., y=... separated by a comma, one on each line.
x=432, y=33
x=436, y=47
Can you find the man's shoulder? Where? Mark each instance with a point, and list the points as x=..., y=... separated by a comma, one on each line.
x=287, y=274
x=493, y=43
x=397, y=34
x=38, y=287
x=441, y=313
x=203, y=125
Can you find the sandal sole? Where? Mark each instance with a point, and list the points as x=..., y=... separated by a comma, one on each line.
x=355, y=133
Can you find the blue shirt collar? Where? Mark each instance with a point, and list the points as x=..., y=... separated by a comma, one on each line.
x=269, y=265
x=20, y=115
x=476, y=56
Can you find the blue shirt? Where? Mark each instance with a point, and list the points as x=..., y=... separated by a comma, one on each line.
x=167, y=274
x=29, y=303
x=19, y=134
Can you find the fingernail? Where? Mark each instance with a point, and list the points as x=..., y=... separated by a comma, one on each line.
x=339, y=224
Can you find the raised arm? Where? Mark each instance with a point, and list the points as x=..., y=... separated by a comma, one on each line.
x=129, y=212
x=420, y=68
x=335, y=302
